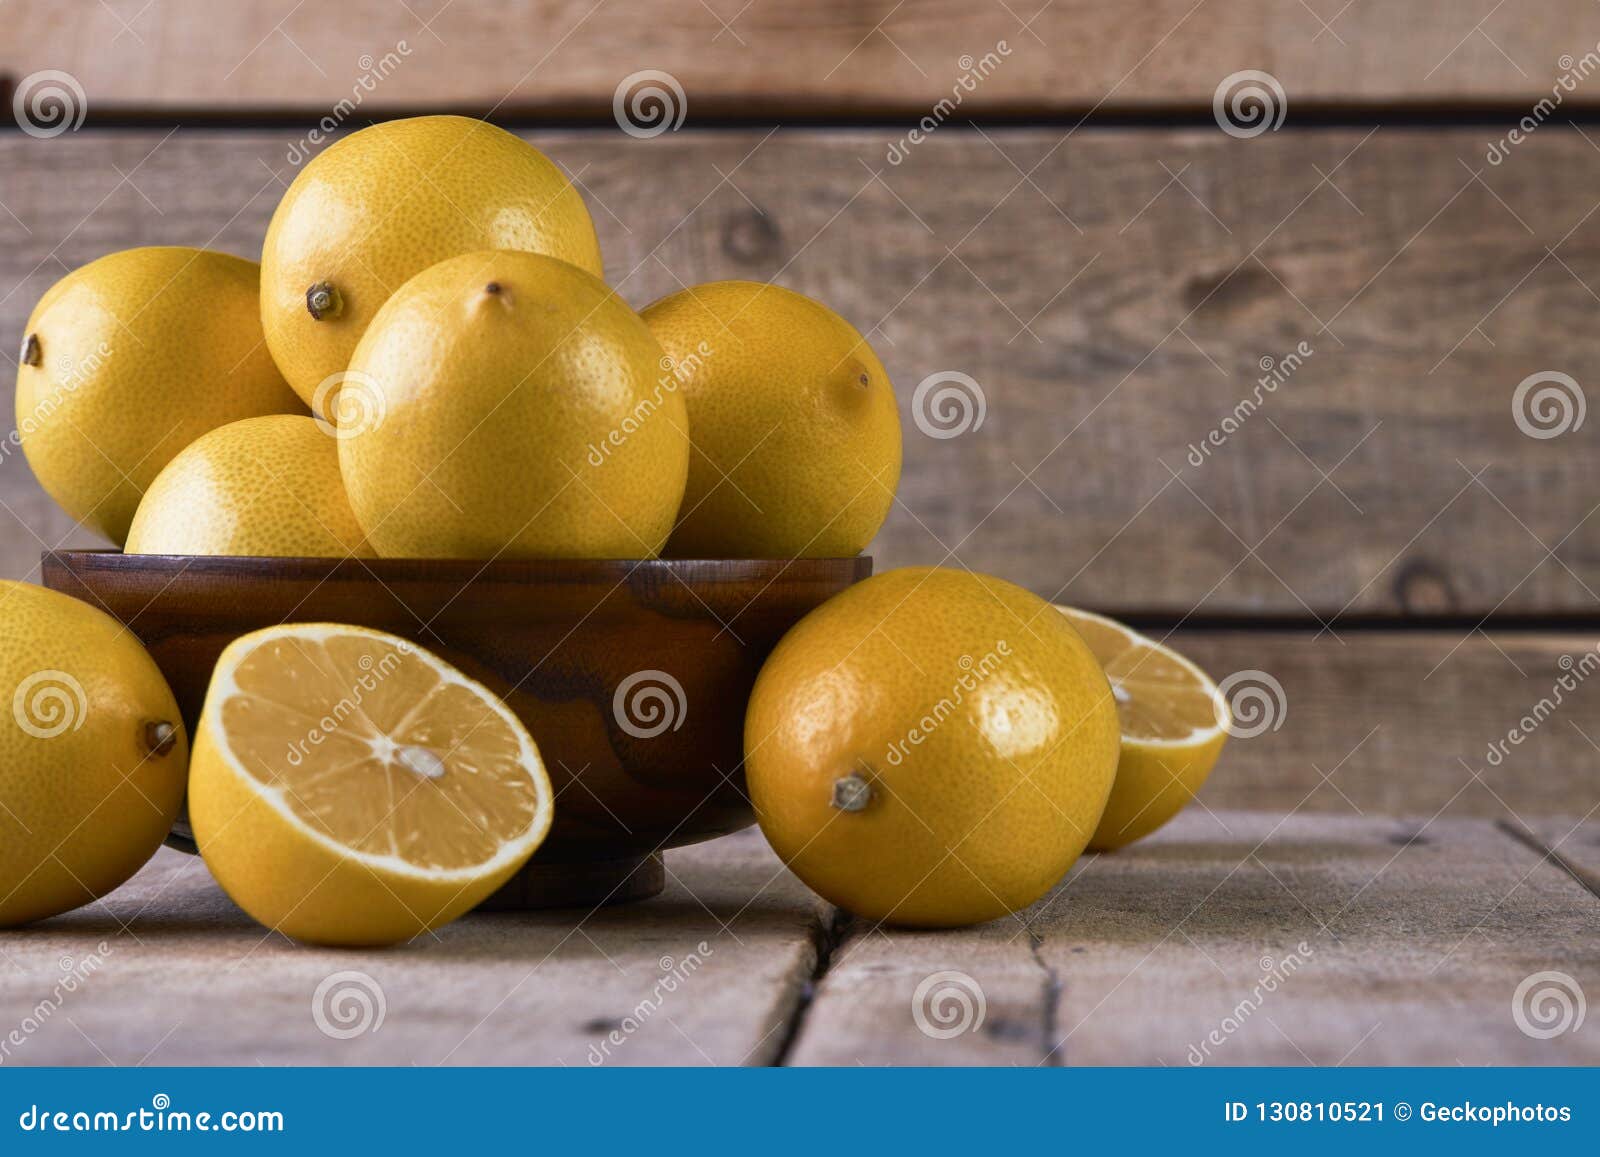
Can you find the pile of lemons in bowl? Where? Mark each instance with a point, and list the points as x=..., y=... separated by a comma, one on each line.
x=426, y=363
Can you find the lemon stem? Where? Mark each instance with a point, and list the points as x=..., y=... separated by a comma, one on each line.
x=160, y=737
x=851, y=793
x=31, y=354
x=324, y=301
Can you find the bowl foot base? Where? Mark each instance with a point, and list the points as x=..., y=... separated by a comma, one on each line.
x=580, y=885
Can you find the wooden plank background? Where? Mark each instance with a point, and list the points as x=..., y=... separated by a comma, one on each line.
x=1380, y=542
x=1113, y=293
x=826, y=57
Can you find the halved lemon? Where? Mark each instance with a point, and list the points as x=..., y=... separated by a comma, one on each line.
x=348, y=787
x=1174, y=723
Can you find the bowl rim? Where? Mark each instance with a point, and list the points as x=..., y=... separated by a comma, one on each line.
x=514, y=570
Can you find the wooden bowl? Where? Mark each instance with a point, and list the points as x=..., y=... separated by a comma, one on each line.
x=571, y=645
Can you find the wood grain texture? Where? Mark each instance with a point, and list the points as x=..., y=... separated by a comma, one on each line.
x=1415, y=723
x=1114, y=306
x=837, y=57
x=707, y=973
x=1295, y=940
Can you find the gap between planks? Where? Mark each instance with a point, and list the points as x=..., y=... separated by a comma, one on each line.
x=1549, y=846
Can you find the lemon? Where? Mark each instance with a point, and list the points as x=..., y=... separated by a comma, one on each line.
x=511, y=403
x=92, y=754
x=385, y=203
x=129, y=359
x=263, y=486
x=931, y=747
x=1174, y=723
x=793, y=421
x=348, y=787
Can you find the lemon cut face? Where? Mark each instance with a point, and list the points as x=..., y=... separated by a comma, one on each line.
x=351, y=787
x=1162, y=698
x=1174, y=723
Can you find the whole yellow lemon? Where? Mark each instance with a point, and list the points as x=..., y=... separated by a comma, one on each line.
x=508, y=403
x=263, y=486
x=931, y=747
x=793, y=421
x=129, y=359
x=92, y=754
x=386, y=203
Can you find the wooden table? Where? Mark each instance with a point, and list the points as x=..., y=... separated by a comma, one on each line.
x=1230, y=938
x=1385, y=531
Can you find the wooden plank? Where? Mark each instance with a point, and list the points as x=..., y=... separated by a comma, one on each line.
x=1114, y=307
x=828, y=56
x=1412, y=723
x=1296, y=940
x=170, y=972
